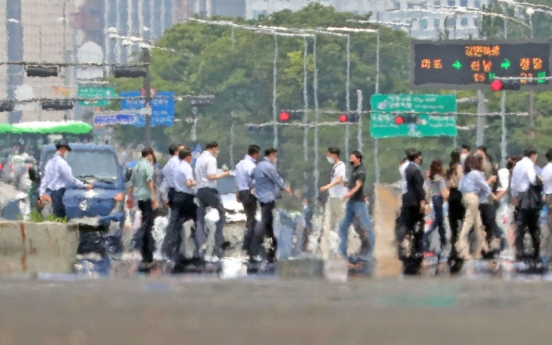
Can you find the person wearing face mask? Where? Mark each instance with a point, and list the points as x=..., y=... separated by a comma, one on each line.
x=414, y=204
x=57, y=176
x=526, y=195
x=142, y=186
x=208, y=195
x=356, y=207
x=336, y=206
x=266, y=181
x=244, y=175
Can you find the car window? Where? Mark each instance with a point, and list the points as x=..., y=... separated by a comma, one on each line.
x=102, y=165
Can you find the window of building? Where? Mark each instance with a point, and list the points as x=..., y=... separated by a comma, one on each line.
x=397, y=5
x=423, y=24
x=476, y=3
x=464, y=21
x=464, y=3
x=436, y=23
x=378, y=16
x=437, y=3
x=410, y=6
x=476, y=22
x=451, y=2
x=450, y=22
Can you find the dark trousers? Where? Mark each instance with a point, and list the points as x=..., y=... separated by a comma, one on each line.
x=413, y=221
x=527, y=219
x=265, y=228
x=58, y=207
x=438, y=221
x=457, y=211
x=249, y=202
x=143, y=239
x=183, y=208
x=170, y=195
x=488, y=218
x=209, y=197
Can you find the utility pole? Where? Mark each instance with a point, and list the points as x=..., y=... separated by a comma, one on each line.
x=147, y=89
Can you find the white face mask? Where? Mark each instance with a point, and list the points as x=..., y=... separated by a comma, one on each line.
x=463, y=156
x=64, y=155
x=330, y=159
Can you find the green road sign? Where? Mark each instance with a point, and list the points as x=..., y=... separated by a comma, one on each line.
x=403, y=116
x=102, y=93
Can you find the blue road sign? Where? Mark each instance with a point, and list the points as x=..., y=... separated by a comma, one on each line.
x=162, y=107
x=121, y=119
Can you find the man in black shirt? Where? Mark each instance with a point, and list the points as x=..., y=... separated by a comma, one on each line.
x=356, y=206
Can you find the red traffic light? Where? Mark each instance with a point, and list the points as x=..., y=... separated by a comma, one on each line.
x=343, y=118
x=496, y=85
x=284, y=117
x=399, y=120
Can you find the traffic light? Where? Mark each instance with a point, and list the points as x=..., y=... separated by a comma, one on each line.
x=353, y=118
x=7, y=106
x=406, y=119
x=499, y=85
x=285, y=117
x=41, y=71
x=57, y=105
x=130, y=72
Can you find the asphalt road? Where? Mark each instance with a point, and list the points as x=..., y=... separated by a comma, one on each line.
x=184, y=310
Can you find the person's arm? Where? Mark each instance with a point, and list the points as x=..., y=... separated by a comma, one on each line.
x=419, y=186
x=444, y=190
x=482, y=184
x=532, y=175
x=358, y=185
x=212, y=171
x=337, y=181
x=149, y=182
x=273, y=175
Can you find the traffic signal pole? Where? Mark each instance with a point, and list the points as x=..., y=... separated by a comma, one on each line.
x=147, y=89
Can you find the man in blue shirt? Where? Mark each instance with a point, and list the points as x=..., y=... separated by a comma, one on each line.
x=266, y=180
x=182, y=205
x=244, y=177
x=58, y=176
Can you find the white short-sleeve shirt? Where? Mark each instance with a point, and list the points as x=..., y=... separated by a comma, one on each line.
x=339, y=190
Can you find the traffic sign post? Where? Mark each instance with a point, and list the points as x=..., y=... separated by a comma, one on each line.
x=102, y=93
x=403, y=116
x=475, y=64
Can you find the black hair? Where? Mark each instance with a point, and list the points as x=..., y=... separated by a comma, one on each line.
x=402, y=161
x=146, y=151
x=482, y=148
x=184, y=154
x=549, y=155
x=454, y=161
x=357, y=154
x=466, y=147
x=334, y=151
x=412, y=154
x=528, y=152
x=472, y=163
x=211, y=145
x=173, y=148
x=270, y=151
x=253, y=150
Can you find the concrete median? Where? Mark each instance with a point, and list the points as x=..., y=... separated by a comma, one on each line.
x=27, y=247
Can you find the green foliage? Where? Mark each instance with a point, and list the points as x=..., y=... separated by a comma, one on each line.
x=239, y=74
x=36, y=217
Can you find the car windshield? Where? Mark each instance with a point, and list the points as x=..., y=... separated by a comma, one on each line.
x=226, y=185
x=92, y=164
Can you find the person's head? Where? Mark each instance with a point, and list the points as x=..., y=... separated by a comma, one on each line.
x=63, y=147
x=531, y=153
x=254, y=151
x=415, y=156
x=355, y=159
x=481, y=151
x=147, y=153
x=333, y=155
x=212, y=147
x=481, y=161
x=270, y=154
x=549, y=155
x=402, y=161
x=175, y=148
x=454, y=157
x=465, y=149
x=472, y=163
x=185, y=155
x=436, y=168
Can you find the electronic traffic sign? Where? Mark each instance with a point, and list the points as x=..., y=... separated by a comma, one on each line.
x=474, y=64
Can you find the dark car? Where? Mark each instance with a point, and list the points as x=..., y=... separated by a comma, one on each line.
x=100, y=211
